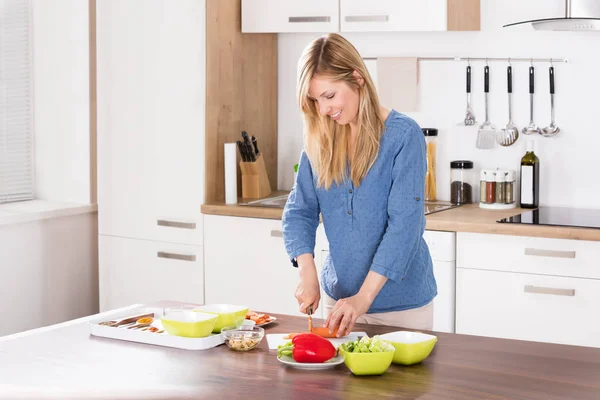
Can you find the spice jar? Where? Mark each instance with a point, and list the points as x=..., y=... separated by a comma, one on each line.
x=461, y=186
x=430, y=140
x=500, y=188
x=509, y=187
x=482, y=186
x=490, y=187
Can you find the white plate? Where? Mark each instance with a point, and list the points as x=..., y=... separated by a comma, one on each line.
x=273, y=319
x=288, y=360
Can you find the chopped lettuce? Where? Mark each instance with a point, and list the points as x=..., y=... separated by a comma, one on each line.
x=368, y=345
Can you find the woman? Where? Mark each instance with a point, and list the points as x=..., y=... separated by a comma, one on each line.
x=363, y=170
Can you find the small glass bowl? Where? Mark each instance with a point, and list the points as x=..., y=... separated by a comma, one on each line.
x=243, y=338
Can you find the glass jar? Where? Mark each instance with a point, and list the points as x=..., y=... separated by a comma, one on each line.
x=482, y=185
x=509, y=187
x=461, y=178
x=431, y=145
x=500, y=186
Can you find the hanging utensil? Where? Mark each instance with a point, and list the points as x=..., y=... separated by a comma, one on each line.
x=552, y=129
x=470, y=115
x=510, y=133
x=532, y=127
x=486, y=136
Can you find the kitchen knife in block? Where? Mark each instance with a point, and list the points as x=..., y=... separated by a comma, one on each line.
x=255, y=180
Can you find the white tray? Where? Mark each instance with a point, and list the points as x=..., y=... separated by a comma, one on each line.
x=158, y=339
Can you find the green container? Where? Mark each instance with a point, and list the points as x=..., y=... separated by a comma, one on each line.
x=368, y=363
x=411, y=347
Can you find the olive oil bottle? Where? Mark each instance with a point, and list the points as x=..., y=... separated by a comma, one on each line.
x=530, y=178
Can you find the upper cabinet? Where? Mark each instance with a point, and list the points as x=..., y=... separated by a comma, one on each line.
x=290, y=16
x=393, y=15
x=360, y=16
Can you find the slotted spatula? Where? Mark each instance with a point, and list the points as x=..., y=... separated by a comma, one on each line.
x=486, y=136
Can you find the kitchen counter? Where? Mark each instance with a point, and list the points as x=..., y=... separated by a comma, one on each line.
x=64, y=361
x=468, y=218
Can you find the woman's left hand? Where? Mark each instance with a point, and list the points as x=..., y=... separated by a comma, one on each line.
x=345, y=312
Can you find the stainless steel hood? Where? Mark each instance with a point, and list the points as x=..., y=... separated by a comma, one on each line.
x=580, y=15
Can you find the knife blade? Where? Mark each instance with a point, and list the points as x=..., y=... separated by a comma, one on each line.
x=309, y=311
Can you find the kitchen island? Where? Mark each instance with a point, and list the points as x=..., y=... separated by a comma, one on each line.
x=63, y=361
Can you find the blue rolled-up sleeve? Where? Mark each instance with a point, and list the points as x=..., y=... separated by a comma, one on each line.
x=406, y=219
x=301, y=213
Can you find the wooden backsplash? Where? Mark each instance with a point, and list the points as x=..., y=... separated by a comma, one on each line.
x=241, y=92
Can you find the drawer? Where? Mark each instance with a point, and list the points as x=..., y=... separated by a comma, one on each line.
x=527, y=307
x=141, y=271
x=560, y=257
x=442, y=245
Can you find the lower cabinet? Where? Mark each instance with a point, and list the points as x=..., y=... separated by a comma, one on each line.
x=136, y=271
x=527, y=307
x=246, y=264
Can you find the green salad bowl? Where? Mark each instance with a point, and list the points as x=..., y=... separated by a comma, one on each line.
x=367, y=363
x=228, y=315
x=411, y=347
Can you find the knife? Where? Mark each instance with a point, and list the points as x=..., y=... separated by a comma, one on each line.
x=249, y=149
x=242, y=150
x=255, y=144
x=309, y=311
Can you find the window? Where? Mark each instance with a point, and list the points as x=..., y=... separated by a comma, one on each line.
x=16, y=102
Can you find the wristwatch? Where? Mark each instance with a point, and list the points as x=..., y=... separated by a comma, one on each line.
x=294, y=262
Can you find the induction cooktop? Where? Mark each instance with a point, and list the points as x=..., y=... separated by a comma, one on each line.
x=557, y=216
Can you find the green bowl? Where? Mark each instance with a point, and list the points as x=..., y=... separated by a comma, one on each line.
x=367, y=363
x=411, y=347
x=189, y=323
x=228, y=315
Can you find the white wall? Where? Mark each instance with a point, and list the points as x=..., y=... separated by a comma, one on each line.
x=48, y=272
x=62, y=100
x=568, y=162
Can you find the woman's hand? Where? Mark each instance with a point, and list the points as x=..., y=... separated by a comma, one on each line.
x=345, y=312
x=308, y=292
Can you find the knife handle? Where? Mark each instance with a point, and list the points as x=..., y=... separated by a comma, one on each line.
x=250, y=152
x=255, y=144
x=242, y=150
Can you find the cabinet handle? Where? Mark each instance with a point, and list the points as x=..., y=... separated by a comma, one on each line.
x=308, y=19
x=549, y=253
x=175, y=256
x=276, y=233
x=545, y=290
x=176, y=224
x=367, y=18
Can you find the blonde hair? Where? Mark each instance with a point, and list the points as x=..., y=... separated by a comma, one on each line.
x=325, y=141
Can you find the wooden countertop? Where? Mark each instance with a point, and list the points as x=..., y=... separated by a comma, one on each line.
x=468, y=218
x=64, y=361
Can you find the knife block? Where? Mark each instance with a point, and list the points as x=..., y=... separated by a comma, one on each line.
x=255, y=180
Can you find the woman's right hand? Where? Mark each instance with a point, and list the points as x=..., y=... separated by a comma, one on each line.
x=308, y=292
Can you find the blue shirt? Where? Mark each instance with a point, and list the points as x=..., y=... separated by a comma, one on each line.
x=377, y=226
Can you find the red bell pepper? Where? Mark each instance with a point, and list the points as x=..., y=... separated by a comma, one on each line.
x=308, y=348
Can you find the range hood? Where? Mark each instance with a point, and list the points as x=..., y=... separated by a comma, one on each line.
x=580, y=15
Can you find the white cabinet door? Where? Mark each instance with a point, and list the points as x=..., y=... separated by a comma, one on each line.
x=125, y=130
x=528, y=307
x=151, y=101
x=140, y=271
x=290, y=16
x=246, y=263
x=179, y=87
x=393, y=15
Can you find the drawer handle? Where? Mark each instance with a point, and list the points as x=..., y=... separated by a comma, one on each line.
x=549, y=253
x=308, y=19
x=276, y=233
x=175, y=256
x=176, y=224
x=545, y=290
x=367, y=18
